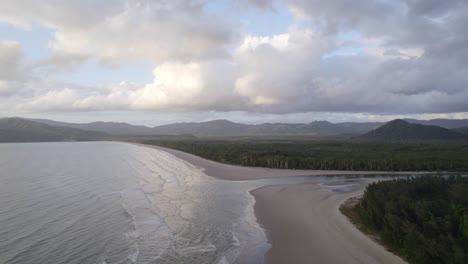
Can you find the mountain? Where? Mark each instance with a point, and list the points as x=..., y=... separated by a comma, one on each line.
x=325, y=127
x=401, y=130
x=445, y=123
x=23, y=130
x=113, y=128
x=223, y=128
x=210, y=128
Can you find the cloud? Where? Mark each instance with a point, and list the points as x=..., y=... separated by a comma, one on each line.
x=261, y=4
x=13, y=71
x=190, y=86
x=125, y=31
x=370, y=56
x=58, y=63
x=56, y=13
x=279, y=69
x=432, y=7
x=176, y=87
x=11, y=60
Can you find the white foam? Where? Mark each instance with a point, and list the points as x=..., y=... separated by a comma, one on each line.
x=223, y=260
x=203, y=247
x=234, y=237
x=134, y=256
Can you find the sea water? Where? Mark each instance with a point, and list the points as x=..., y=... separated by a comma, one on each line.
x=104, y=202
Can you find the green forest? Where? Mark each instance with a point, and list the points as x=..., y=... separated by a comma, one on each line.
x=424, y=219
x=326, y=154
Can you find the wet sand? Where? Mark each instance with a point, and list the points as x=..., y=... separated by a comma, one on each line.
x=304, y=225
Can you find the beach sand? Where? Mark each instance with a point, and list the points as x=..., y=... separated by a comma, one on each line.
x=240, y=173
x=303, y=221
x=304, y=225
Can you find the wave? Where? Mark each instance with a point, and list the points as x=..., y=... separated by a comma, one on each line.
x=132, y=235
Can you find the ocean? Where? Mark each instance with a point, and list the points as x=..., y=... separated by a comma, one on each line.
x=104, y=202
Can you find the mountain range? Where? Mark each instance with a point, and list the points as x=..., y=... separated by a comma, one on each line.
x=223, y=128
x=228, y=128
x=20, y=129
x=23, y=130
x=112, y=128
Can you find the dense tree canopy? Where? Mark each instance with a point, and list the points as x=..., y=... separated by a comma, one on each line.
x=327, y=154
x=425, y=219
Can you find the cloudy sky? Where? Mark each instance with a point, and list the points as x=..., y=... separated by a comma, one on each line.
x=162, y=61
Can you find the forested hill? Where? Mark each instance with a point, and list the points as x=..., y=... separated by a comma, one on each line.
x=402, y=130
x=424, y=219
x=23, y=130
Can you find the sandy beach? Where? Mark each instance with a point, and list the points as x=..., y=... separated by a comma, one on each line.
x=305, y=226
x=302, y=221
x=241, y=173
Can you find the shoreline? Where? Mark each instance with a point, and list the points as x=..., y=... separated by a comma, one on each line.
x=241, y=173
x=302, y=222
x=348, y=209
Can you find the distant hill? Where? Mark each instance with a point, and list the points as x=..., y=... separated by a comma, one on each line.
x=401, y=130
x=19, y=129
x=211, y=128
x=113, y=128
x=227, y=128
x=445, y=123
x=23, y=130
x=224, y=128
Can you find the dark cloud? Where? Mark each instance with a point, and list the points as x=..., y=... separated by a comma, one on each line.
x=432, y=7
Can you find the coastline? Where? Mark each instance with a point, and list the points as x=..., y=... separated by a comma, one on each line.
x=242, y=173
x=302, y=221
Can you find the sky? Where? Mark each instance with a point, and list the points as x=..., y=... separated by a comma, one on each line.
x=155, y=62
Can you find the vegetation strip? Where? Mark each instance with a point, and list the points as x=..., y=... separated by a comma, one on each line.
x=326, y=154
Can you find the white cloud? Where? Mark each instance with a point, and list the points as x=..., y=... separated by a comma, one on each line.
x=123, y=31
x=178, y=86
x=278, y=69
x=58, y=13
x=11, y=61
x=182, y=86
x=14, y=72
x=406, y=57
